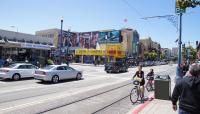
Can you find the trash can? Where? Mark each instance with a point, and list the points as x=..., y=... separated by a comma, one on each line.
x=162, y=87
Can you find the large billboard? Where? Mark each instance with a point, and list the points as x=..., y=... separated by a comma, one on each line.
x=70, y=39
x=112, y=37
x=88, y=39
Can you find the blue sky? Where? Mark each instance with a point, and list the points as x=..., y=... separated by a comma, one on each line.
x=89, y=15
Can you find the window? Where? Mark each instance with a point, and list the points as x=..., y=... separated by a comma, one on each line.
x=69, y=69
x=22, y=67
x=61, y=68
x=29, y=66
x=33, y=67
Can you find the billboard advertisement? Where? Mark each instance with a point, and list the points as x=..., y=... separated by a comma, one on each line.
x=112, y=37
x=70, y=39
x=88, y=39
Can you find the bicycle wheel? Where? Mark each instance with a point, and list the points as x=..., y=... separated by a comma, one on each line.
x=134, y=95
x=148, y=86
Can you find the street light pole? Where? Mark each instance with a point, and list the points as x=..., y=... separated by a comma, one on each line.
x=178, y=73
x=61, y=39
x=68, y=40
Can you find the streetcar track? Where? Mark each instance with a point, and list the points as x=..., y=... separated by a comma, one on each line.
x=168, y=72
x=107, y=106
x=111, y=104
x=86, y=98
x=51, y=109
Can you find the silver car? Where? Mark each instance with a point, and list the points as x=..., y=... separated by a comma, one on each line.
x=55, y=73
x=17, y=71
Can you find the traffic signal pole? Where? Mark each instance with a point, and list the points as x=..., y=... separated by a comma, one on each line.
x=178, y=72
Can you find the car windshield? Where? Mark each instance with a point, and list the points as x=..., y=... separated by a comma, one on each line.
x=12, y=66
x=48, y=67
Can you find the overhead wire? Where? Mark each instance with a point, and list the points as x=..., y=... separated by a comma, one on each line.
x=135, y=10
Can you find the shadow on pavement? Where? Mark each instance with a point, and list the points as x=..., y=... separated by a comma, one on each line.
x=10, y=80
x=60, y=82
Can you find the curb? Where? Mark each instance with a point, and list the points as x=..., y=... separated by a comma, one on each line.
x=140, y=107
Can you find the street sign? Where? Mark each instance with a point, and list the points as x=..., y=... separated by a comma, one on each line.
x=180, y=10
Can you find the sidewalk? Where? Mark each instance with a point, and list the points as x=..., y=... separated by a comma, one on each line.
x=158, y=107
x=155, y=106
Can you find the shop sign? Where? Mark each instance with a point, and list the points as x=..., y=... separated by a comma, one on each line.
x=35, y=46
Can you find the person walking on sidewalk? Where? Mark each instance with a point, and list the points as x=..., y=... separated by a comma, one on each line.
x=187, y=90
x=139, y=75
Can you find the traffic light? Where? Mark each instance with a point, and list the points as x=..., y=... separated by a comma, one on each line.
x=190, y=3
x=185, y=3
x=178, y=3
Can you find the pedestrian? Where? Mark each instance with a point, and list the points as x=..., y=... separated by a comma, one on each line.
x=185, y=68
x=187, y=91
x=8, y=61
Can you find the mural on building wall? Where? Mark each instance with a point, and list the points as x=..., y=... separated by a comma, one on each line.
x=112, y=37
x=70, y=39
x=88, y=39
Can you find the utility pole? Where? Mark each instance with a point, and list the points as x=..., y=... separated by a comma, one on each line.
x=181, y=6
x=61, y=40
x=178, y=73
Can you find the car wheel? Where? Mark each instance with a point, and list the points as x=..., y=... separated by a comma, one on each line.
x=78, y=77
x=55, y=79
x=16, y=77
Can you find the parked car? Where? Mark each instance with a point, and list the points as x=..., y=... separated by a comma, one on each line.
x=117, y=67
x=55, y=73
x=17, y=71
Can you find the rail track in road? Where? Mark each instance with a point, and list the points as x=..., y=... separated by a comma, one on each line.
x=108, y=91
x=107, y=94
x=168, y=72
x=86, y=98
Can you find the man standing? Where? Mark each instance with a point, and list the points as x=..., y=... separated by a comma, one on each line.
x=187, y=90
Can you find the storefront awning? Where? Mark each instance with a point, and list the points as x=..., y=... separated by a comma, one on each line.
x=36, y=46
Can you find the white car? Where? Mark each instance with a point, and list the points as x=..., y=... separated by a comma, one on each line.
x=55, y=73
x=17, y=71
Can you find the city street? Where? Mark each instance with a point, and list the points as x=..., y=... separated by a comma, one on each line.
x=98, y=92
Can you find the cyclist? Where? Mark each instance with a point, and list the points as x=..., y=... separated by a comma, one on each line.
x=139, y=75
x=150, y=75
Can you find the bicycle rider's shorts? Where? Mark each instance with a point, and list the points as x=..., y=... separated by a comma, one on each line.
x=142, y=82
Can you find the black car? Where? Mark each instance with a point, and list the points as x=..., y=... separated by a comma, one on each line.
x=116, y=67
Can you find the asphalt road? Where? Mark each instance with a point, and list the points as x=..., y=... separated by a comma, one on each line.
x=98, y=92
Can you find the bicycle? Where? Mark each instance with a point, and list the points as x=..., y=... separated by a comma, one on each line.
x=136, y=92
x=150, y=84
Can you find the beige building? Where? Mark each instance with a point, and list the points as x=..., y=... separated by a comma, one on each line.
x=147, y=45
x=50, y=33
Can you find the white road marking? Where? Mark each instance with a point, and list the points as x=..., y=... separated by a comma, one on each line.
x=58, y=96
x=2, y=82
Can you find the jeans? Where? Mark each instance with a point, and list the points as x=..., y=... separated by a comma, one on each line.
x=181, y=111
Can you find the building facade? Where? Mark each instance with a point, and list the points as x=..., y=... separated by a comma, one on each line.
x=147, y=45
x=115, y=43
x=167, y=53
x=21, y=47
x=174, y=52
